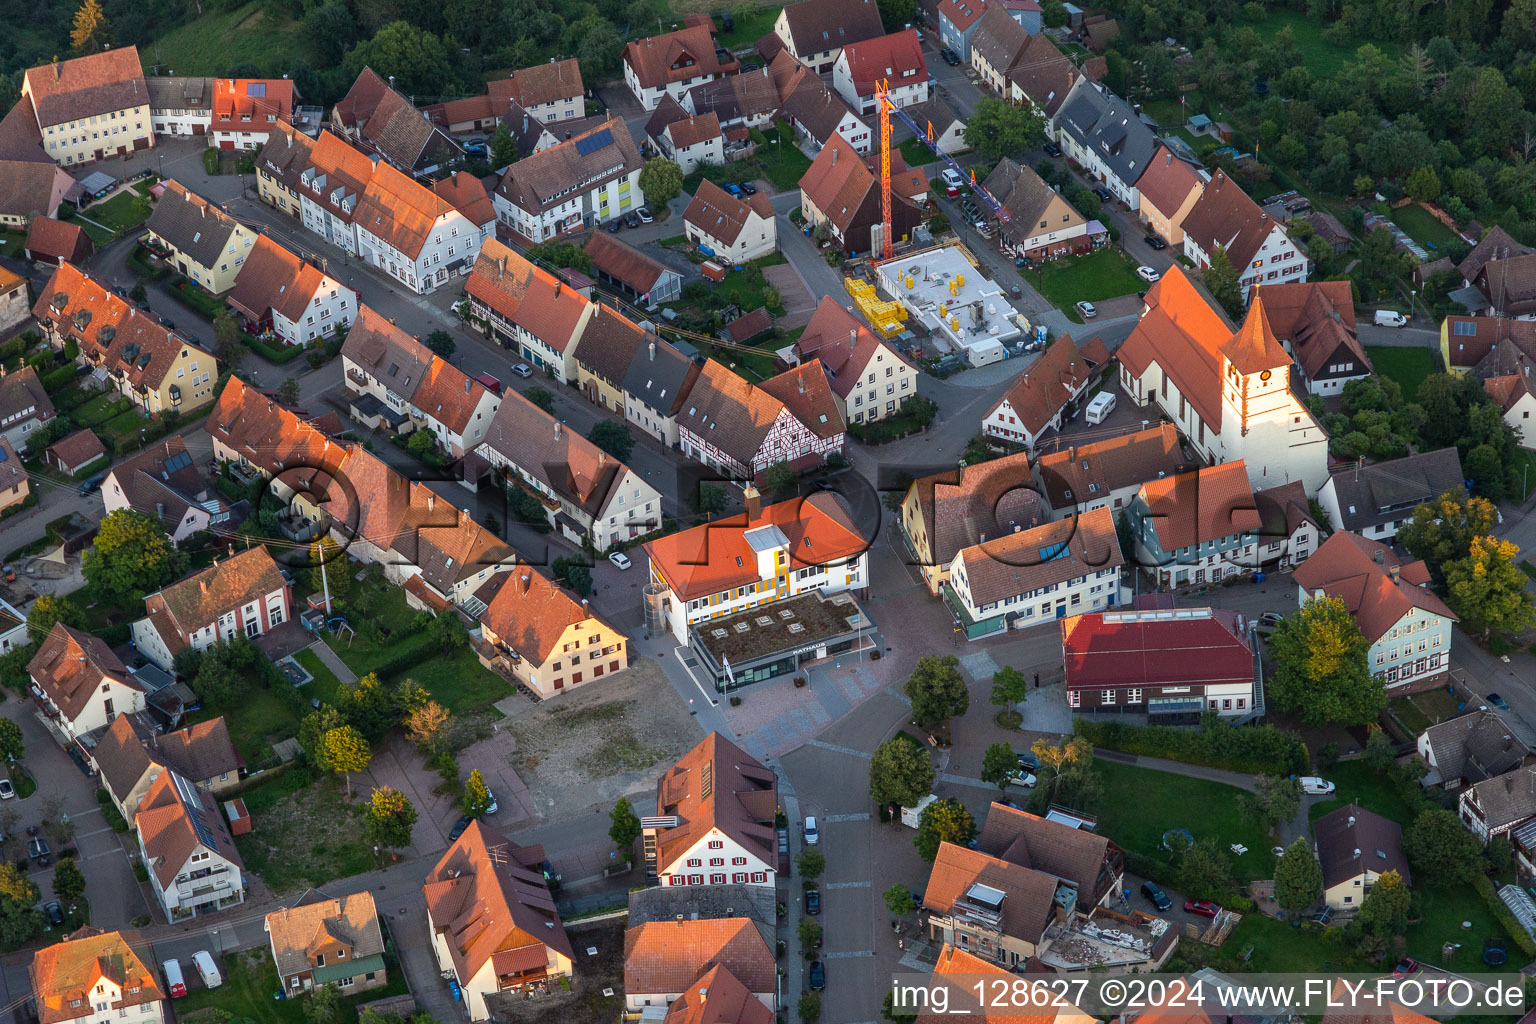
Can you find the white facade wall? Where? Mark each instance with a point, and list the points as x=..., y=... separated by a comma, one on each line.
x=1328, y=497
x=1278, y=259
x=758, y=237
x=1093, y=592
x=603, y=202
x=222, y=882
x=716, y=859
x=333, y=303
x=651, y=96
x=454, y=240
x=111, y=699
x=180, y=121
x=96, y=1007
x=850, y=574
x=903, y=95
x=708, y=151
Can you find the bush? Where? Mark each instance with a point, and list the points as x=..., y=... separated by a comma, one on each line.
x=1261, y=749
x=140, y=871
x=1497, y=907
x=273, y=353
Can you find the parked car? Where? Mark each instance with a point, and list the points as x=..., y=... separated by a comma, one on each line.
x=749, y=188
x=950, y=57
x=812, y=833
x=818, y=976
x=1051, y=149
x=1156, y=243
x=39, y=850
x=644, y=213
x=620, y=560
x=477, y=149
x=631, y=220
x=813, y=901
x=522, y=370
x=1103, y=194
x=953, y=180
x=207, y=969
x=1315, y=786
x=1028, y=761
x=459, y=827
x=1205, y=908
x=91, y=484
x=1155, y=895
x=7, y=791
x=493, y=806
x=1498, y=702
x=1390, y=318
x=1270, y=619
x=1085, y=310
x=734, y=189
x=55, y=913
x=1147, y=274
x=1406, y=966
x=1022, y=779
x=176, y=985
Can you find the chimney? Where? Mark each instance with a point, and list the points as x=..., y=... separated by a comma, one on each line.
x=853, y=337
x=652, y=348
x=834, y=155
x=466, y=385
x=431, y=500
x=57, y=71
x=1394, y=573
x=800, y=382
x=203, y=586
x=557, y=430
x=754, y=502
x=501, y=266
x=160, y=509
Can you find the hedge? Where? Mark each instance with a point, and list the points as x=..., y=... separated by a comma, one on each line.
x=93, y=467
x=58, y=380
x=283, y=353
x=1259, y=749
x=1500, y=910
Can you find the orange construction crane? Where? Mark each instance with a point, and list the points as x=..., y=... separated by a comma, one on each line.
x=883, y=100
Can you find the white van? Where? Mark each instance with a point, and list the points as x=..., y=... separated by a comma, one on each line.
x=1314, y=786
x=1390, y=318
x=1099, y=409
x=175, y=984
x=203, y=960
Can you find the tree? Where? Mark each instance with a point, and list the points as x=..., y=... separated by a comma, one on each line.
x=889, y=1010
x=809, y=933
x=503, y=149
x=943, y=821
x=447, y=631
x=427, y=725
x=1385, y=910
x=999, y=765
x=1486, y=589
x=613, y=437
x=936, y=689
x=417, y=59
x=997, y=128
x=1320, y=666
x=1441, y=530
x=227, y=347
x=137, y=293
x=1205, y=871
x=390, y=819
x=1440, y=847
x=1298, y=878
x=1273, y=802
x=68, y=880
x=13, y=745
x=19, y=918
x=441, y=343
x=49, y=609
x=1009, y=686
x=368, y=706
x=900, y=773
x=1222, y=282
x=1424, y=185
x=624, y=827
x=323, y=1005
x=898, y=899
x=312, y=733
x=896, y=13
x=1380, y=755
x=596, y=45
x=288, y=391
x=573, y=573
x=809, y=1006
x=92, y=32
x=779, y=479
x=661, y=181
x=476, y=799
x=346, y=751
x=709, y=500
x=329, y=569
x=541, y=397
x=131, y=557
x=810, y=862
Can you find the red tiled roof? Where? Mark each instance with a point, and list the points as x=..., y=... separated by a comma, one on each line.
x=99, y=83
x=399, y=209
x=717, y=786
x=527, y=295
x=198, y=600
x=718, y=997
x=663, y=957
x=1167, y=182
x=1029, y=894
x=55, y=240
x=710, y=558
x=274, y=278
x=70, y=665
x=1205, y=505
x=807, y=395
x=897, y=58
x=65, y=974
x=529, y=613
x=244, y=104
x=749, y=325
x=1253, y=348
x=1067, y=474
x=1226, y=216
x=961, y=13
x=540, y=84
x=660, y=60
x=466, y=193
x=1359, y=571
x=720, y=215
x=624, y=262
x=1061, y=372
x=837, y=182
x=1183, y=333
x=168, y=831
x=1106, y=650
x=79, y=448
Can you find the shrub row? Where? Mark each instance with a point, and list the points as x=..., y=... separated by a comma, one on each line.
x=1498, y=909
x=1215, y=744
x=278, y=353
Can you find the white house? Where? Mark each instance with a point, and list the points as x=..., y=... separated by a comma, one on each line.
x=687, y=139
x=1075, y=479
x=1375, y=501
x=1257, y=245
x=671, y=64
x=733, y=427
x=526, y=308
x=724, y=227
x=747, y=561
x=814, y=32
x=585, y=180
x=1288, y=535
x=1036, y=576
x=1512, y=393
x=79, y=684
x=551, y=92
x=245, y=595
x=1406, y=624
x=895, y=59
x=1227, y=391
x=292, y=298
x=1197, y=527
x=412, y=234
x=180, y=104
x=714, y=819
x=1105, y=136
x=193, y=865
x=13, y=627
x=95, y=977
x=1040, y=394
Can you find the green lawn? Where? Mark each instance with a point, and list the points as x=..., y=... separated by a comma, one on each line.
x=750, y=26
x=1097, y=276
x=250, y=979
x=1284, y=947
x=916, y=153
x=781, y=162
x=1524, y=463
x=1407, y=366
x=459, y=682
x=325, y=684
x=100, y=409
x=1442, y=912
x=1323, y=58
x=117, y=213
x=220, y=39
x=307, y=836
x=1358, y=784
x=1422, y=226
x=1140, y=804
x=257, y=719
x=1423, y=710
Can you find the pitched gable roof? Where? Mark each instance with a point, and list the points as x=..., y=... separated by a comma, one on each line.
x=32, y=190
x=1317, y=318
x=601, y=153
x=99, y=83
x=558, y=457
x=279, y=442
x=624, y=262
x=1063, y=370
x=663, y=957
x=402, y=135
x=818, y=25
x=20, y=390
x=1028, y=894
x=676, y=57
x=1078, y=475
x=272, y=278
x=1506, y=799
x=1360, y=572
x=195, y=226
x=720, y=215
x=529, y=613
x=78, y=449
x=466, y=193
x=199, y=599
x=1353, y=840
x=999, y=40
x=1044, y=74
x=660, y=377
x=1496, y=244
x=399, y=210
x=163, y=478
x=897, y=57
x=1075, y=854
x=67, y=972
x=407, y=367
x=609, y=342
x=352, y=920
x=1168, y=181
x=54, y=240
x=718, y=997
x=729, y=412
x=1038, y=558
x=1103, y=650
x=807, y=394
x=843, y=344
x=1206, y=505
x=541, y=83
x=70, y=666
x=1389, y=491
x=1183, y=332
x=174, y=819
x=959, y=507
x=1475, y=747
x=1026, y=197
x=1226, y=216
x=838, y=182
x=717, y=786
x=358, y=105
x=1112, y=129
x=489, y=905
x=526, y=295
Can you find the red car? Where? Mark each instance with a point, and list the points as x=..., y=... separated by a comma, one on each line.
x=1406, y=966
x=1205, y=908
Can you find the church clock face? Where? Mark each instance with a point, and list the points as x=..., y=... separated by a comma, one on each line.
x=1264, y=375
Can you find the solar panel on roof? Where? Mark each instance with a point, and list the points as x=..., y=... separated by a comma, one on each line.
x=594, y=142
x=256, y=88
x=181, y=460
x=194, y=808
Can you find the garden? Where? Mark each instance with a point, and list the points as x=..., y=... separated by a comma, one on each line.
x=1407, y=366
x=250, y=982
x=1094, y=277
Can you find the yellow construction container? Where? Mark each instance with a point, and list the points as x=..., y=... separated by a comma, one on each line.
x=960, y=280
x=889, y=316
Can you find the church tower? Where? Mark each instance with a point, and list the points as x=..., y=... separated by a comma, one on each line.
x=1256, y=372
